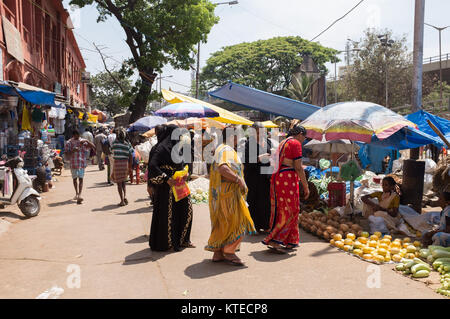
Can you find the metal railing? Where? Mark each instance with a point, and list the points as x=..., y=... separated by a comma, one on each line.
x=444, y=57
x=435, y=107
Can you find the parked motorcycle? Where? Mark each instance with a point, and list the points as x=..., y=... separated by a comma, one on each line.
x=23, y=194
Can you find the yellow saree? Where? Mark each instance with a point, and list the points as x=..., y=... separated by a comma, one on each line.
x=230, y=217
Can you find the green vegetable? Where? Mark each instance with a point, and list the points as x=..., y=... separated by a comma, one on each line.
x=430, y=258
x=410, y=264
x=400, y=267
x=439, y=253
x=419, y=267
x=407, y=271
x=424, y=253
x=420, y=261
x=421, y=274
x=431, y=248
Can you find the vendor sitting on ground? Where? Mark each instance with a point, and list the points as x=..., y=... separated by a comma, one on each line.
x=388, y=204
x=440, y=235
x=313, y=201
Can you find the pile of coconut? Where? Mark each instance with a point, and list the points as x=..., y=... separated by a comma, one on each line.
x=326, y=226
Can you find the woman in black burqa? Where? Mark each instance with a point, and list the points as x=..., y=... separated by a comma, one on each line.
x=171, y=220
x=257, y=179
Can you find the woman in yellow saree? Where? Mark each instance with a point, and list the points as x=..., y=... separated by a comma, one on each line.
x=230, y=217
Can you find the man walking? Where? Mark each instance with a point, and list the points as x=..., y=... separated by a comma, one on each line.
x=98, y=141
x=77, y=149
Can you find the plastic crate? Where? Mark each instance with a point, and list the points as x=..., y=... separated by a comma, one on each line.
x=336, y=194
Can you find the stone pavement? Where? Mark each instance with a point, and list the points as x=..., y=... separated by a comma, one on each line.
x=107, y=246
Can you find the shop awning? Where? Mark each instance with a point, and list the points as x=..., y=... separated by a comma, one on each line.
x=264, y=101
x=225, y=116
x=29, y=93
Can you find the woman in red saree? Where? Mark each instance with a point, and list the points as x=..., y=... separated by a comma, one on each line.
x=284, y=193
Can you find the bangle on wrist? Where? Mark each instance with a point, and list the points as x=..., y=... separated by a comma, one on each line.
x=236, y=180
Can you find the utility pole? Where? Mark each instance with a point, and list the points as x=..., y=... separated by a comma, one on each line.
x=413, y=170
x=416, y=104
x=384, y=38
x=440, y=57
x=197, y=72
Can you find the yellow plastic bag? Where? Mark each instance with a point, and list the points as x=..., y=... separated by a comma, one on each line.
x=181, y=189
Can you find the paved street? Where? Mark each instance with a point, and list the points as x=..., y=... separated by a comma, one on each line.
x=109, y=244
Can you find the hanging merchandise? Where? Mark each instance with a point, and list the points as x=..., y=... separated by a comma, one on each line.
x=350, y=171
x=37, y=115
x=26, y=121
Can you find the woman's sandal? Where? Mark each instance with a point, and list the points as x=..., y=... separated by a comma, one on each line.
x=290, y=247
x=276, y=249
x=121, y=204
x=216, y=260
x=125, y=201
x=232, y=259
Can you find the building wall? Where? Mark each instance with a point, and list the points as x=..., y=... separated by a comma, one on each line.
x=50, y=51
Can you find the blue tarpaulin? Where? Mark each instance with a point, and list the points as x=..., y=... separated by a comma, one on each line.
x=264, y=101
x=406, y=138
x=34, y=97
x=420, y=119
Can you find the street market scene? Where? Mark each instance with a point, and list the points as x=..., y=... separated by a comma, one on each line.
x=188, y=149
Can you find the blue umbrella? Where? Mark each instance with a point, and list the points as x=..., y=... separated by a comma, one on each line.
x=186, y=109
x=146, y=123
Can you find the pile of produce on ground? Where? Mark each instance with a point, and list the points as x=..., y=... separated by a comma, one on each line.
x=433, y=257
x=414, y=267
x=326, y=226
x=439, y=258
x=377, y=248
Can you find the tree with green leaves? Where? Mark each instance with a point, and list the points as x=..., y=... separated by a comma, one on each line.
x=111, y=92
x=158, y=32
x=267, y=65
x=365, y=79
x=300, y=87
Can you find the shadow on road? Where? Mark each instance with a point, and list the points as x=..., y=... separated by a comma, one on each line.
x=327, y=250
x=144, y=255
x=139, y=257
x=142, y=200
x=105, y=208
x=100, y=185
x=66, y=202
x=207, y=268
x=268, y=256
x=11, y=215
x=138, y=240
x=141, y=210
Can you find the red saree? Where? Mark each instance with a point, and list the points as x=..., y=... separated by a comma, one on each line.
x=284, y=197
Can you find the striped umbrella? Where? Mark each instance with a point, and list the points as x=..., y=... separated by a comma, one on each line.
x=185, y=110
x=354, y=121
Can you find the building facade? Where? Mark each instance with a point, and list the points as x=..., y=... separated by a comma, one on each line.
x=39, y=48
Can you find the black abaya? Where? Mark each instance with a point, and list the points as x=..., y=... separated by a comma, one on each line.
x=258, y=197
x=171, y=220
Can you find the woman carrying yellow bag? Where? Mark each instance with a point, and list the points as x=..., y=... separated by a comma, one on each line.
x=172, y=216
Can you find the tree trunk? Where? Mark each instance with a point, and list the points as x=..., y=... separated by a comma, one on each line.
x=139, y=105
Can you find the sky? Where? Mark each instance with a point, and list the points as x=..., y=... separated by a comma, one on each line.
x=252, y=20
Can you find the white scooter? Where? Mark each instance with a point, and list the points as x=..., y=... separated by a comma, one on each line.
x=23, y=194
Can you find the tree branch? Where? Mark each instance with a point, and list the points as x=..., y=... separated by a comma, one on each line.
x=109, y=72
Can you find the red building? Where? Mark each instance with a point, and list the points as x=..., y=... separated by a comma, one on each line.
x=38, y=48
